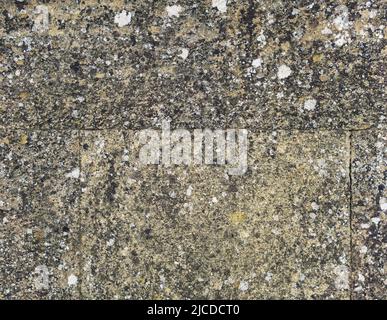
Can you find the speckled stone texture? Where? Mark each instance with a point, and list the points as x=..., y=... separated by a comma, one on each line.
x=61, y=73
x=279, y=231
x=38, y=197
x=81, y=217
x=369, y=205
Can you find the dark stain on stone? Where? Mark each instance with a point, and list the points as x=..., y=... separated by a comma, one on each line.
x=111, y=183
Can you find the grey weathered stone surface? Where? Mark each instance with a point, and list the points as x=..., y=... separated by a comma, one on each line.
x=369, y=206
x=82, y=69
x=38, y=221
x=78, y=79
x=280, y=231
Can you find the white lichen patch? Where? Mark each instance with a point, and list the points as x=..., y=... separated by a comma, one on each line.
x=310, y=104
x=315, y=206
x=123, y=18
x=321, y=167
x=283, y=72
x=342, y=277
x=341, y=20
x=221, y=5
x=110, y=242
x=326, y=31
x=172, y=194
x=41, y=19
x=383, y=204
x=41, y=281
x=340, y=40
x=341, y=24
x=268, y=276
x=184, y=53
x=73, y=174
x=243, y=286
x=100, y=145
x=364, y=226
x=257, y=63
x=125, y=156
x=261, y=39
x=189, y=191
x=72, y=280
x=173, y=11
x=375, y=220
x=295, y=11
x=363, y=249
x=162, y=282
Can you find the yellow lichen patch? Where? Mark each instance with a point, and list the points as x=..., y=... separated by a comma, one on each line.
x=320, y=288
x=167, y=69
x=234, y=27
x=154, y=29
x=361, y=24
x=315, y=32
x=285, y=46
x=236, y=93
x=100, y=75
x=23, y=139
x=22, y=14
x=39, y=235
x=85, y=158
x=201, y=32
x=361, y=125
x=295, y=277
x=189, y=25
x=127, y=71
x=270, y=48
x=23, y=95
x=237, y=217
x=4, y=141
x=217, y=58
x=318, y=58
x=54, y=31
